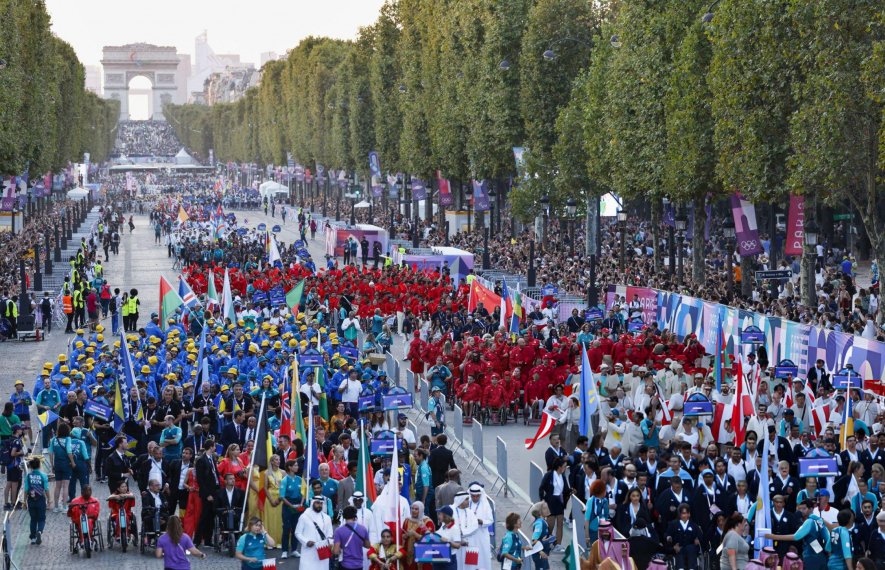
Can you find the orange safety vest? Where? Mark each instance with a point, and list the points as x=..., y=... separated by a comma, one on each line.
x=67, y=304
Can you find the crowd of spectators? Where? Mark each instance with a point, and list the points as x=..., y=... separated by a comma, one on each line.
x=146, y=138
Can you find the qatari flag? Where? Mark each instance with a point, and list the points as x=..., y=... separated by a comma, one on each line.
x=795, y=226
x=419, y=189
x=745, y=228
x=445, y=191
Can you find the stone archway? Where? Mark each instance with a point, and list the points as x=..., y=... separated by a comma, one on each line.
x=159, y=64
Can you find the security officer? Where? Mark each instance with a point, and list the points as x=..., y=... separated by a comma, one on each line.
x=133, y=309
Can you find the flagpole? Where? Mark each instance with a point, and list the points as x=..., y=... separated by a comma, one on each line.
x=252, y=459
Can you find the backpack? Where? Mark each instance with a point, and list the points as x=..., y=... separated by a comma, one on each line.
x=6, y=451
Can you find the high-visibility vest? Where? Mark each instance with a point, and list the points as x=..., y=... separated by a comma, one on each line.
x=133, y=305
x=124, y=307
x=67, y=304
x=78, y=298
x=11, y=309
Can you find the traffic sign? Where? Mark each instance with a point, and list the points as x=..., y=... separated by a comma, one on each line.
x=779, y=274
x=841, y=217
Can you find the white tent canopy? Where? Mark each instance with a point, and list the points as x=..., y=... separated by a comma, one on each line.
x=272, y=189
x=184, y=158
x=78, y=194
x=362, y=204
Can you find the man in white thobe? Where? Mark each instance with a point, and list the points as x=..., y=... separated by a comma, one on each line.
x=481, y=508
x=314, y=530
x=468, y=526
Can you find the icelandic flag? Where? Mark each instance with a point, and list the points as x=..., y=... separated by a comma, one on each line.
x=187, y=293
x=588, y=398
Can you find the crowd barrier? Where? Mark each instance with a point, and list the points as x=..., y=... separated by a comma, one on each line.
x=501, y=467
x=458, y=428
x=477, y=445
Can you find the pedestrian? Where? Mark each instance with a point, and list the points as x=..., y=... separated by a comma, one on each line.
x=46, y=313
x=349, y=540
x=250, y=546
x=36, y=486
x=173, y=545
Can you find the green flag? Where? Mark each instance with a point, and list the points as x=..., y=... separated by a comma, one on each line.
x=211, y=293
x=293, y=297
x=169, y=301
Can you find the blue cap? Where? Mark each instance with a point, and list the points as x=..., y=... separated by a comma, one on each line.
x=446, y=510
x=707, y=472
x=823, y=493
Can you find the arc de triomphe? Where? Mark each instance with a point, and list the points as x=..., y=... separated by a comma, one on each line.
x=159, y=64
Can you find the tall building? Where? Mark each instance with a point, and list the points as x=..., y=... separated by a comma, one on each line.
x=207, y=63
x=268, y=56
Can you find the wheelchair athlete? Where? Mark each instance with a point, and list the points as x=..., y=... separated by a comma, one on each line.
x=154, y=510
x=85, y=502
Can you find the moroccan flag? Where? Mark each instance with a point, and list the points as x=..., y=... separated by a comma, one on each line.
x=169, y=301
x=365, y=478
x=293, y=297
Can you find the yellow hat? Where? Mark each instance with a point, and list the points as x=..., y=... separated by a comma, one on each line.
x=187, y=385
x=145, y=369
x=193, y=372
x=171, y=376
x=264, y=343
x=273, y=333
x=224, y=338
x=278, y=345
x=47, y=365
x=90, y=349
x=99, y=328
x=232, y=370
x=191, y=356
x=224, y=387
x=100, y=375
x=79, y=344
x=100, y=337
x=19, y=383
x=153, y=360
x=253, y=347
x=65, y=380
x=302, y=327
x=153, y=339
x=45, y=372
x=323, y=330
x=117, y=344
x=293, y=343
x=265, y=326
x=90, y=360
x=303, y=343
x=64, y=369
x=241, y=323
x=79, y=331
x=81, y=357
x=219, y=330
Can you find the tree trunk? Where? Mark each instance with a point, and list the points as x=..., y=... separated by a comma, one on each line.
x=591, y=225
x=747, y=264
x=656, y=234
x=697, y=244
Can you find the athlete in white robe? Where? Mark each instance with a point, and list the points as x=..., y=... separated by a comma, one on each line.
x=482, y=509
x=306, y=531
x=468, y=527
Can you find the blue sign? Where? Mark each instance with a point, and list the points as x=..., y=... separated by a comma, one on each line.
x=366, y=403
x=549, y=290
x=259, y=296
x=786, y=369
x=349, y=352
x=593, y=314
x=262, y=227
x=433, y=549
x=277, y=295
x=276, y=229
x=396, y=401
x=310, y=360
x=818, y=467
x=847, y=379
x=752, y=335
x=635, y=325
x=697, y=405
x=98, y=410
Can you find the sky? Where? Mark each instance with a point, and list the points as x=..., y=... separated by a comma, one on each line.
x=245, y=27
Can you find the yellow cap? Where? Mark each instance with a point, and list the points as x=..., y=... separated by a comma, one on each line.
x=145, y=369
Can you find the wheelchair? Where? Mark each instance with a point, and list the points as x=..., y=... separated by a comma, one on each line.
x=494, y=415
x=77, y=531
x=226, y=531
x=153, y=524
x=129, y=526
x=531, y=413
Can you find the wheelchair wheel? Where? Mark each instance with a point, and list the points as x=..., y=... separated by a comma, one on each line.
x=100, y=536
x=216, y=536
x=112, y=529
x=142, y=539
x=231, y=544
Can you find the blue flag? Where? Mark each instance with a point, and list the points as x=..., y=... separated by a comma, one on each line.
x=128, y=376
x=202, y=362
x=313, y=466
x=763, y=504
x=588, y=398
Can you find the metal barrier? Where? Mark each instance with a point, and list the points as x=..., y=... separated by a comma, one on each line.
x=392, y=368
x=459, y=427
x=410, y=381
x=478, y=447
x=424, y=396
x=578, y=508
x=535, y=476
x=501, y=467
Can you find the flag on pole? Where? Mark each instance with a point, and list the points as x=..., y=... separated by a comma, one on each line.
x=129, y=377
x=506, y=304
x=365, y=481
x=763, y=503
x=547, y=423
x=120, y=412
x=273, y=255
x=387, y=505
x=572, y=558
x=516, y=315
x=182, y=215
x=719, y=360
x=188, y=297
x=169, y=301
x=742, y=406
x=588, y=398
x=263, y=444
x=313, y=460
x=211, y=293
x=847, y=422
x=285, y=411
x=293, y=297
x=227, y=301
x=46, y=418
x=202, y=362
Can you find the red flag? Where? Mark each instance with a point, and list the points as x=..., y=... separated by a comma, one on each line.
x=719, y=419
x=820, y=415
x=737, y=413
x=547, y=423
x=479, y=293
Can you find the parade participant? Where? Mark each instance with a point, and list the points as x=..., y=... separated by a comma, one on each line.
x=122, y=500
x=250, y=546
x=293, y=506
x=812, y=533
x=449, y=533
x=36, y=488
x=541, y=533
x=85, y=503
x=314, y=533
x=415, y=526
x=385, y=554
x=273, y=504
x=171, y=547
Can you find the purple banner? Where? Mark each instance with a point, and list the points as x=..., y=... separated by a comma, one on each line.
x=8, y=203
x=376, y=190
x=745, y=227
x=445, y=192
x=480, y=195
x=419, y=189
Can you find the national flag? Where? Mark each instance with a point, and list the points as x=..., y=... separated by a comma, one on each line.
x=273, y=255
x=721, y=414
x=572, y=558
x=743, y=406
x=46, y=418
x=763, y=502
x=517, y=313
x=589, y=397
x=263, y=445
x=666, y=414
x=365, y=480
x=387, y=505
x=480, y=293
x=221, y=403
x=187, y=294
x=296, y=403
x=227, y=301
x=121, y=414
x=312, y=469
x=285, y=411
x=820, y=415
x=211, y=293
x=293, y=297
x=128, y=376
x=547, y=423
x=202, y=362
x=182, y=215
x=169, y=301
x=847, y=422
x=506, y=304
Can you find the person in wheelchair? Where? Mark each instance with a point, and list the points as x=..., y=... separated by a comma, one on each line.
x=471, y=397
x=85, y=502
x=122, y=500
x=494, y=398
x=154, y=509
x=229, y=502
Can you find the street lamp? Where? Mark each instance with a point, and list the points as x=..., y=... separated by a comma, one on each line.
x=468, y=193
x=728, y=233
x=2, y=64
x=622, y=224
x=570, y=208
x=550, y=55
x=545, y=203
x=504, y=65
x=492, y=196
x=681, y=224
x=708, y=15
x=615, y=41
x=671, y=242
x=811, y=231
x=416, y=236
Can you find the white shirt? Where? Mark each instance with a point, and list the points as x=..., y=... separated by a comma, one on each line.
x=156, y=471
x=557, y=483
x=351, y=392
x=183, y=477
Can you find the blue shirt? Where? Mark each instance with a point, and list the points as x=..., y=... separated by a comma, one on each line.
x=172, y=434
x=840, y=548
x=252, y=546
x=22, y=403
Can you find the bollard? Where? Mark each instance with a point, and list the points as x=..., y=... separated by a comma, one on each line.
x=38, y=275
x=69, y=227
x=48, y=268
x=24, y=306
x=58, y=243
